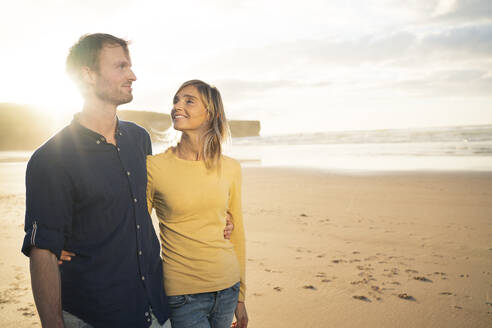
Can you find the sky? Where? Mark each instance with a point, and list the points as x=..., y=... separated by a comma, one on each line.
x=297, y=66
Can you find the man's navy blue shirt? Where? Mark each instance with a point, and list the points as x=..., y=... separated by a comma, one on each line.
x=88, y=196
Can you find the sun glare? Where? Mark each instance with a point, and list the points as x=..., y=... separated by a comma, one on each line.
x=59, y=98
x=45, y=87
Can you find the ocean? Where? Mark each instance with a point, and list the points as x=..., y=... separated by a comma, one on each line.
x=461, y=148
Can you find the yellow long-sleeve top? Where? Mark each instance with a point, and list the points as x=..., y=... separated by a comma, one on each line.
x=191, y=203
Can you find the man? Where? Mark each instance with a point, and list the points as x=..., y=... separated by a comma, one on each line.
x=86, y=194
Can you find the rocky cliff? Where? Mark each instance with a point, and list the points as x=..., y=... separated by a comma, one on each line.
x=25, y=128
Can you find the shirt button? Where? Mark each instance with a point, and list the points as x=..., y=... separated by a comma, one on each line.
x=128, y=173
x=139, y=252
x=120, y=133
x=148, y=319
x=146, y=314
x=138, y=226
x=118, y=148
x=143, y=278
x=103, y=139
x=98, y=142
x=135, y=200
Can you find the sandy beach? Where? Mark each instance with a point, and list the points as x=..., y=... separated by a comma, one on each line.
x=331, y=249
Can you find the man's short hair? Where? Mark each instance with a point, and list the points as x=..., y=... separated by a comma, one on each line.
x=86, y=52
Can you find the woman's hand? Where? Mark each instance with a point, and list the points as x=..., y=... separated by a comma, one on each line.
x=241, y=316
x=229, y=227
x=65, y=256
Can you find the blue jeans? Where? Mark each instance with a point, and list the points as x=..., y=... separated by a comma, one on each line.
x=204, y=310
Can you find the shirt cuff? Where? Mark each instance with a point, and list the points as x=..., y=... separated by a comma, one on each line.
x=43, y=238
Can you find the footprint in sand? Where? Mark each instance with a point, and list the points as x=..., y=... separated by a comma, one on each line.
x=26, y=312
x=405, y=296
x=371, y=258
x=309, y=287
x=361, y=298
x=447, y=293
x=278, y=289
x=376, y=296
x=366, y=276
x=391, y=272
x=442, y=274
x=422, y=278
x=390, y=283
x=4, y=300
x=377, y=289
x=363, y=268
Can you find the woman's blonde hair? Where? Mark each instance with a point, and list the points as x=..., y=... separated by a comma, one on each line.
x=218, y=128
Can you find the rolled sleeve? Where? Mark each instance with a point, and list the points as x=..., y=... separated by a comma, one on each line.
x=48, y=205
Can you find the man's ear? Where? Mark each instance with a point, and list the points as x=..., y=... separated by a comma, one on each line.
x=87, y=75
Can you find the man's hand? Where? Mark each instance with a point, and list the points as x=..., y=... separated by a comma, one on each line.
x=65, y=256
x=229, y=227
x=241, y=316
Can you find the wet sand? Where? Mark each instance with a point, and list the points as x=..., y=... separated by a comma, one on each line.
x=331, y=249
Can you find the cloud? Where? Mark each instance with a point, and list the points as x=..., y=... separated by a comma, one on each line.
x=475, y=40
x=467, y=11
x=452, y=83
x=236, y=89
x=452, y=61
x=312, y=60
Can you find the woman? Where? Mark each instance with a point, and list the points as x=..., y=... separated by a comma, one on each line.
x=192, y=186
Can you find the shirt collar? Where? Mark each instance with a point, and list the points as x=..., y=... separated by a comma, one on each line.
x=79, y=128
